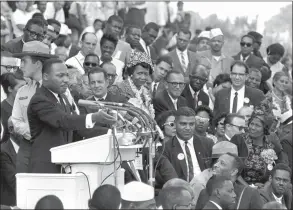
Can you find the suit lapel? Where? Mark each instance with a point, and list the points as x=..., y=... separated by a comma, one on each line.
x=12, y=151
x=52, y=98
x=168, y=100
x=176, y=151
x=177, y=60
x=228, y=99
x=198, y=149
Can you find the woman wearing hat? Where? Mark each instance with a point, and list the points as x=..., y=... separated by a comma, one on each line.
x=275, y=52
x=260, y=149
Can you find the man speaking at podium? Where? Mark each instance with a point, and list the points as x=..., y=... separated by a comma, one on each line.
x=51, y=118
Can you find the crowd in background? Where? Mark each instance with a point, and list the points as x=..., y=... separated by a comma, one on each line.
x=226, y=119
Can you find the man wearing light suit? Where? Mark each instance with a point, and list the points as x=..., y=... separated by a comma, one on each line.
x=230, y=100
x=183, y=59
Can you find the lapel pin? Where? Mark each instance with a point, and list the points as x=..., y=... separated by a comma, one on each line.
x=180, y=156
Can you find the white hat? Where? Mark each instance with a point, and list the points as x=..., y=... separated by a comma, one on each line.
x=216, y=32
x=137, y=191
x=64, y=30
x=205, y=34
x=285, y=116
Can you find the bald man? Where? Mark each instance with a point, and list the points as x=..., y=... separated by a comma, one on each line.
x=246, y=112
x=193, y=93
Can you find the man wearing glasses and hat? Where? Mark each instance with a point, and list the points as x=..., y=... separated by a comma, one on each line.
x=32, y=57
x=33, y=30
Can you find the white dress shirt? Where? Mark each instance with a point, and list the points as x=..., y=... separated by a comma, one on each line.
x=50, y=13
x=119, y=69
x=240, y=101
x=88, y=120
x=19, y=17
x=244, y=60
x=77, y=62
x=274, y=68
x=217, y=205
x=179, y=54
x=15, y=146
x=227, y=137
x=3, y=94
x=104, y=97
x=174, y=101
x=196, y=168
x=279, y=200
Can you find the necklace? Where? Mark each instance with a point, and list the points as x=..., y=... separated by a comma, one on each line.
x=277, y=96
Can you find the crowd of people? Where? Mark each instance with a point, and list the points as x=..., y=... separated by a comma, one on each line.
x=226, y=119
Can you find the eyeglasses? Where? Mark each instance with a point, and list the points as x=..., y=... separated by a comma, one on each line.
x=204, y=120
x=38, y=36
x=244, y=43
x=241, y=128
x=237, y=74
x=175, y=84
x=11, y=68
x=88, y=64
x=201, y=79
x=172, y=124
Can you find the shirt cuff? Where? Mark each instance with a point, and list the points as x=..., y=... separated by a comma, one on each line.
x=88, y=121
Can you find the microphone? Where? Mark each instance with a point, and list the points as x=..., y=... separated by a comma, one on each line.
x=85, y=103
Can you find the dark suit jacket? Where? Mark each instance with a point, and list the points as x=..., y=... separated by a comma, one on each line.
x=250, y=199
x=267, y=196
x=14, y=45
x=202, y=96
x=210, y=205
x=193, y=60
x=222, y=99
x=50, y=126
x=161, y=87
x=203, y=149
x=8, y=172
x=6, y=111
x=287, y=145
x=99, y=128
x=162, y=102
x=252, y=61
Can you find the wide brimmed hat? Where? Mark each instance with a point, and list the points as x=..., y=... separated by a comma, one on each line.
x=35, y=48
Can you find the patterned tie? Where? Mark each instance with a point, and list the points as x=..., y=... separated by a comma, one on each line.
x=235, y=100
x=195, y=99
x=189, y=161
x=183, y=62
x=155, y=90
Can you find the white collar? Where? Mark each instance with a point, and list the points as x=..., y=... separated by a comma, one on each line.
x=80, y=56
x=104, y=97
x=183, y=142
x=143, y=43
x=217, y=205
x=180, y=52
x=227, y=137
x=55, y=94
x=240, y=91
x=15, y=146
x=192, y=91
x=278, y=199
x=241, y=57
x=172, y=99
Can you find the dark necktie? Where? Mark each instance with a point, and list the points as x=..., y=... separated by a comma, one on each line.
x=189, y=160
x=235, y=100
x=101, y=99
x=61, y=100
x=155, y=90
x=38, y=85
x=195, y=99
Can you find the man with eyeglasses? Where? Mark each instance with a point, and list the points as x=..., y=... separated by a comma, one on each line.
x=170, y=98
x=110, y=68
x=246, y=54
x=33, y=31
x=88, y=45
x=54, y=28
x=246, y=112
x=230, y=100
x=257, y=44
x=279, y=186
x=234, y=124
x=91, y=61
x=193, y=92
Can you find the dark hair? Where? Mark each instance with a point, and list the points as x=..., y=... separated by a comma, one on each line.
x=255, y=34
x=218, y=118
x=49, y=202
x=110, y=38
x=208, y=28
x=204, y=108
x=276, y=49
x=151, y=25
x=221, y=78
x=253, y=69
x=47, y=65
x=35, y=21
x=92, y=55
x=98, y=20
x=54, y=21
x=86, y=33
x=249, y=36
x=238, y=163
x=240, y=63
x=105, y=197
x=96, y=70
x=165, y=58
x=217, y=182
x=184, y=31
x=9, y=80
x=184, y=111
x=161, y=119
x=281, y=166
x=170, y=196
x=230, y=117
x=130, y=70
x=130, y=27
x=38, y=15
x=172, y=72
x=115, y=18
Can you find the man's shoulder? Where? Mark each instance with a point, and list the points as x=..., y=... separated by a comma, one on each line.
x=254, y=91
x=12, y=42
x=122, y=43
x=223, y=92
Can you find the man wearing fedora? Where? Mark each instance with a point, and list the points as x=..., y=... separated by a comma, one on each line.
x=33, y=31
x=32, y=57
x=228, y=164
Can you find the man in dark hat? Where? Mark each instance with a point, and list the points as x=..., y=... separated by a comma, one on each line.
x=258, y=40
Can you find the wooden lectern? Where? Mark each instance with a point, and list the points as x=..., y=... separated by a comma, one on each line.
x=95, y=157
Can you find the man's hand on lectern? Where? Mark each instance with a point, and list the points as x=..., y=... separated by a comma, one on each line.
x=102, y=117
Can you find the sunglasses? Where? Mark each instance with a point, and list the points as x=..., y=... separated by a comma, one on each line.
x=244, y=43
x=170, y=124
x=88, y=64
x=204, y=120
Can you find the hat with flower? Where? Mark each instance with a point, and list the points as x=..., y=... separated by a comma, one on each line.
x=137, y=57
